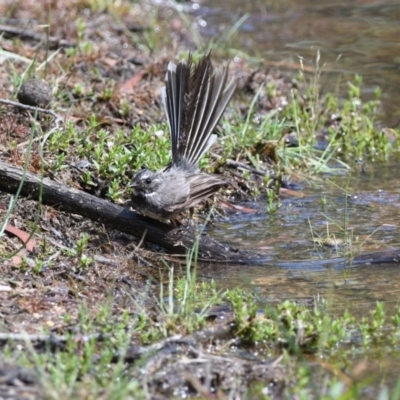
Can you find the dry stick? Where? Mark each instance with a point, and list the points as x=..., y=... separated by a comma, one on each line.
x=25, y=34
x=72, y=200
x=141, y=241
x=31, y=108
x=27, y=337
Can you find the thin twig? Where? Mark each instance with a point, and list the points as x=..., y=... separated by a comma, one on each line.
x=139, y=245
x=25, y=34
x=43, y=338
x=31, y=108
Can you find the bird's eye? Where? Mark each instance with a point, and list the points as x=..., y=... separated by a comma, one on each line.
x=148, y=181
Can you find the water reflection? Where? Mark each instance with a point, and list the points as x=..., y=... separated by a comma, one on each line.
x=353, y=37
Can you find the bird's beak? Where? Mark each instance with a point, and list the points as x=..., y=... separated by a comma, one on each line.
x=134, y=185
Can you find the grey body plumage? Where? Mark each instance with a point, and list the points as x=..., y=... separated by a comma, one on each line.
x=194, y=99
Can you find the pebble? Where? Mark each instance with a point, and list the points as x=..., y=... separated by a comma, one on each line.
x=35, y=92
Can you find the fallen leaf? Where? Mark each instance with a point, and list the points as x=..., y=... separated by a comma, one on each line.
x=131, y=83
x=284, y=192
x=235, y=207
x=23, y=236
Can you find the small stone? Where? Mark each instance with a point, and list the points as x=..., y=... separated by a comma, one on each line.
x=49, y=324
x=35, y=92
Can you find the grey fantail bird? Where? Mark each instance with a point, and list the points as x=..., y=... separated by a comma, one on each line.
x=194, y=98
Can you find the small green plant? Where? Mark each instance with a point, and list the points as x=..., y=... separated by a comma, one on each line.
x=125, y=107
x=87, y=47
x=272, y=204
x=114, y=190
x=85, y=262
x=38, y=267
x=80, y=28
x=108, y=92
x=81, y=244
x=78, y=90
x=59, y=163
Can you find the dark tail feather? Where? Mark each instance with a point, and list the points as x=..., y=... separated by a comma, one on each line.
x=173, y=99
x=207, y=99
x=194, y=99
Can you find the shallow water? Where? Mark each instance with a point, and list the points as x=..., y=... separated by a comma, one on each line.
x=361, y=210
x=353, y=37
